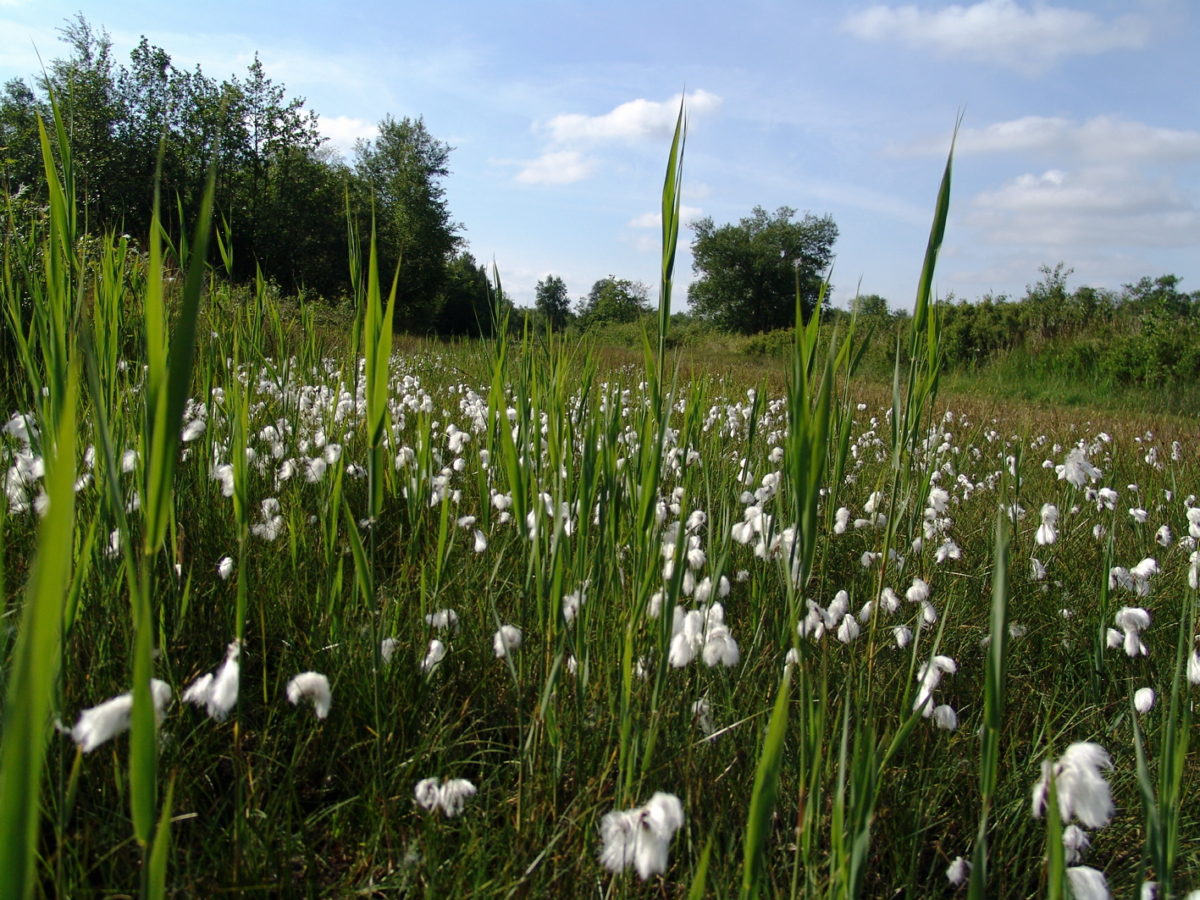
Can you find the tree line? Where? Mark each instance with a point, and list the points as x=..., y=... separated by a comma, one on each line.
x=286, y=197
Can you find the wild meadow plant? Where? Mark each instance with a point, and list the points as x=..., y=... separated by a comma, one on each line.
x=498, y=617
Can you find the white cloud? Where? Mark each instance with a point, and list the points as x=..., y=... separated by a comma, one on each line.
x=343, y=131
x=1096, y=206
x=1001, y=31
x=634, y=120
x=557, y=167
x=687, y=214
x=1101, y=139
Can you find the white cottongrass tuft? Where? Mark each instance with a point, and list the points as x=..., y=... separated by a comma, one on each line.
x=1132, y=620
x=1047, y=532
x=506, y=639
x=435, y=654
x=450, y=796
x=311, y=686
x=224, y=474
x=848, y=630
x=958, y=871
x=918, y=592
x=443, y=620
x=930, y=675
x=1075, y=842
x=702, y=631
x=641, y=837
x=1077, y=470
x=1082, y=791
x=218, y=692
x=1037, y=570
x=1143, y=700
x=387, y=649
x=1087, y=883
x=106, y=720
x=225, y=567
x=945, y=717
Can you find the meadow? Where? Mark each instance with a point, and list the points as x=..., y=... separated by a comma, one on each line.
x=298, y=613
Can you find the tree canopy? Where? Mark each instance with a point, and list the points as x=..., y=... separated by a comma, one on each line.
x=613, y=301
x=281, y=188
x=401, y=169
x=552, y=303
x=748, y=273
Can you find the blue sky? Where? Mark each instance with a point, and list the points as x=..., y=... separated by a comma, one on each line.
x=1080, y=140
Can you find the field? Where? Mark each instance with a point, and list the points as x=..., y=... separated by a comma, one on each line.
x=848, y=628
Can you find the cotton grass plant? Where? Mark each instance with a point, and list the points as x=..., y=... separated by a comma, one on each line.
x=281, y=500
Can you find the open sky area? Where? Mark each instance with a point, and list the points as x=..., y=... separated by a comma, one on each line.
x=1080, y=137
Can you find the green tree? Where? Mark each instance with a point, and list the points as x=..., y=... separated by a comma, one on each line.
x=870, y=305
x=466, y=297
x=748, y=273
x=552, y=302
x=401, y=170
x=20, y=155
x=85, y=88
x=614, y=300
x=1046, y=303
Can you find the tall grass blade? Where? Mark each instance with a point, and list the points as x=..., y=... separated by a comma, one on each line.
x=156, y=879
x=764, y=793
x=671, y=196
x=993, y=707
x=35, y=665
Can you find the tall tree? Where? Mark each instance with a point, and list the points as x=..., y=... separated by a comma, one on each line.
x=402, y=170
x=466, y=298
x=614, y=300
x=552, y=303
x=20, y=158
x=84, y=85
x=748, y=273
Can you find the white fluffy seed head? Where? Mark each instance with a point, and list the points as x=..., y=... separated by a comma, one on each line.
x=312, y=686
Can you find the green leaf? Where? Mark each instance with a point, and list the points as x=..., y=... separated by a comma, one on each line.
x=156, y=884
x=35, y=664
x=765, y=792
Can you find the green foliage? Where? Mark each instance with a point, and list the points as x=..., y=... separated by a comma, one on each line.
x=613, y=301
x=552, y=303
x=748, y=274
x=464, y=305
x=399, y=172
x=279, y=186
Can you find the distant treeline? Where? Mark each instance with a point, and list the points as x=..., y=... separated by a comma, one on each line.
x=1145, y=334
x=285, y=196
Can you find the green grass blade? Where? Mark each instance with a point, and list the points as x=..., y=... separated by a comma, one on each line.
x=993, y=706
x=671, y=197
x=172, y=380
x=937, y=232
x=696, y=891
x=35, y=666
x=156, y=882
x=764, y=793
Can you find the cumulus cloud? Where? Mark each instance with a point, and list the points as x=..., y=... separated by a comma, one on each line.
x=1101, y=139
x=1096, y=206
x=557, y=167
x=1001, y=31
x=563, y=163
x=343, y=131
x=631, y=121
